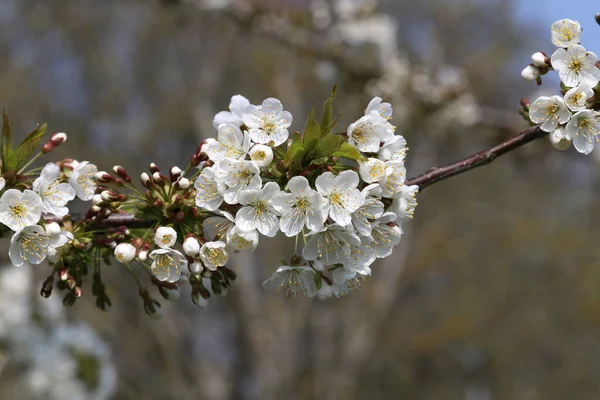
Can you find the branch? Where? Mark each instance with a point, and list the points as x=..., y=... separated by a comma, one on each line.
x=484, y=157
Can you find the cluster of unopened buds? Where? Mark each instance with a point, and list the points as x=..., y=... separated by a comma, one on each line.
x=341, y=195
x=573, y=116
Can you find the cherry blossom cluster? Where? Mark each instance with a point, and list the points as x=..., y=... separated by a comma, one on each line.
x=340, y=194
x=573, y=116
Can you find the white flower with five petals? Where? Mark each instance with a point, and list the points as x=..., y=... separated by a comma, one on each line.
x=395, y=175
x=208, y=190
x=54, y=194
x=237, y=175
x=293, y=280
x=330, y=245
x=549, y=112
x=405, y=202
x=28, y=245
x=167, y=264
x=82, y=179
x=566, y=32
x=393, y=149
x=214, y=254
x=269, y=123
x=261, y=155
x=583, y=130
x=237, y=106
x=384, y=235
x=165, y=237
x=576, y=65
x=372, y=170
x=20, y=209
x=577, y=97
x=384, y=110
x=231, y=143
x=258, y=211
x=341, y=195
x=363, y=218
x=368, y=132
x=302, y=206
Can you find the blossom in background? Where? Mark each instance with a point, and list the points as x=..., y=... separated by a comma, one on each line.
x=237, y=175
x=549, y=112
x=165, y=237
x=330, y=245
x=293, y=280
x=575, y=65
x=167, y=264
x=566, y=32
x=54, y=194
x=28, y=245
x=214, y=254
x=583, y=129
x=302, y=206
x=237, y=106
x=368, y=132
x=82, y=179
x=208, y=190
x=341, y=195
x=577, y=97
x=258, y=211
x=20, y=209
x=261, y=155
x=231, y=143
x=269, y=123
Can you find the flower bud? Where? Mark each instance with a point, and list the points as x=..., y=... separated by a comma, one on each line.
x=175, y=173
x=153, y=168
x=103, y=177
x=143, y=255
x=121, y=173
x=47, y=147
x=183, y=183
x=165, y=237
x=97, y=200
x=77, y=292
x=47, y=287
x=191, y=246
x=199, y=300
x=158, y=179
x=530, y=73
x=53, y=229
x=540, y=60
x=195, y=267
x=63, y=274
x=105, y=195
x=58, y=138
x=125, y=252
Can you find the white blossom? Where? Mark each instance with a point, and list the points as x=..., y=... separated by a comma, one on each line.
x=125, y=252
x=393, y=149
x=325, y=291
x=540, y=60
x=269, y=123
x=20, y=209
x=237, y=106
x=368, y=132
x=392, y=182
x=372, y=170
x=341, y=195
x=261, y=155
x=384, y=110
x=258, y=211
x=293, y=280
x=566, y=32
x=302, y=206
x=583, y=130
x=237, y=175
x=575, y=65
x=217, y=227
x=359, y=260
x=372, y=209
x=330, y=245
x=165, y=237
x=28, y=245
x=383, y=236
x=405, y=202
x=54, y=194
x=214, y=254
x=577, y=97
x=549, y=112
x=231, y=143
x=2, y=182
x=82, y=179
x=208, y=190
x=191, y=246
x=167, y=264
x=239, y=239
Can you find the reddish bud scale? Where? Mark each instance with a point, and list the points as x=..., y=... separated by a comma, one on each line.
x=153, y=168
x=149, y=196
x=47, y=147
x=158, y=203
x=77, y=291
x=58, y=138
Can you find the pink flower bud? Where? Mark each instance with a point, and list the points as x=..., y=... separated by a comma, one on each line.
x=58, y=138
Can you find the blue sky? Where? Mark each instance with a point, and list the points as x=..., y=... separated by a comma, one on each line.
x=548, y=11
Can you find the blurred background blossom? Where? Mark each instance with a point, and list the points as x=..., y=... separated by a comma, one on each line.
x=493, y=292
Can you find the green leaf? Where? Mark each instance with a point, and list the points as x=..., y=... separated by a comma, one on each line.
x=327, y=122
x=5, y=140
x=328, y=145
x=348, y=151
x=295, y=153
x=27, y=147
x=10, y=159
x=312, y=131
x=320, y=161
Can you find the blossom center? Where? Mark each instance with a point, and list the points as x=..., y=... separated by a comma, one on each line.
x=576, y=65
x=260, y=207
x=260, y=155
x=566, y=34
x=167, y=239
x=302, y=203
x=217, y=256
x=336, y=198
x=18, y=210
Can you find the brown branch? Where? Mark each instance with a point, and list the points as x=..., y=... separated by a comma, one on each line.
x=484, y=157
x=430, y=177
